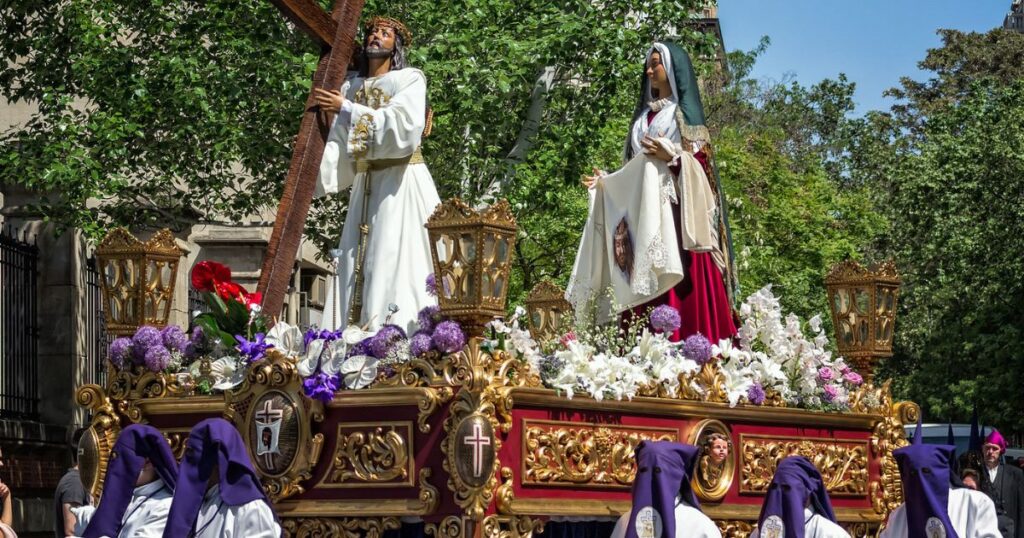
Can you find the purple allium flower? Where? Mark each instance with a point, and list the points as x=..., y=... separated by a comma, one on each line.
x=853, y=378
x=755, y=394
x=448, y=337
x=195, y=342
x=420, y=343
x=826, y=374
x=321, y=386
x=360, y=348
x=831, y=391
x=145, y=338
x=697, y=348
x=432, y=285
x=174, y=338
x=387, y=336
x=429, y=317
x=120, y=351
x=665, y=319
x=254, y=350
x=157, y=358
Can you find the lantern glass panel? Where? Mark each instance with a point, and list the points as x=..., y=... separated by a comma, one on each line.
x=467, y=244
x=863, y=300
x=489, y=250
x=499, y=286
x=445, y=250
x=862, y=332
x=840, y=302
x=448, y=285
x=468, y=287
x=503, y=250
x=486, y=284
x=537, y=317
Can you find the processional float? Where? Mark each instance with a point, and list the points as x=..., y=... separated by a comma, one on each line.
x=470, y=442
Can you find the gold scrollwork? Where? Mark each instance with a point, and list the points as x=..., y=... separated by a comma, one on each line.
x=449, y=527
x=843, y=462
x=888, y=435
x=276, y=383
x=372, y=454
x=99, y=438
x=368, y=527
x=735, y=528
x=567, y=453
x=496, y=526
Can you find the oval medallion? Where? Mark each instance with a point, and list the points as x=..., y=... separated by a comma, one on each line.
x=273, y=432
x=474, y=450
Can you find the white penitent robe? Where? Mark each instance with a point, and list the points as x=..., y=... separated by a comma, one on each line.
x=816, y=526
x=145, y=517
x=254, y=519
x=629, y=245
x=972, y=514
x=690, y=523
x=369, y=146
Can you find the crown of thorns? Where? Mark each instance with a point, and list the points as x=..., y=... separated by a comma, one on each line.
x=390, y=23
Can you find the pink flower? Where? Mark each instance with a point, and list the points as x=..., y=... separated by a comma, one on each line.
x=567, y=337
x=826, y=374
x=853, y=378
x=831, y=391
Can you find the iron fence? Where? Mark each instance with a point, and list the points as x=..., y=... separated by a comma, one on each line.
x=19, y=329
x=96, y=343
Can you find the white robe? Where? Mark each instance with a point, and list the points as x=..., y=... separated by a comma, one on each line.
x=816, y=526
x=972, y=514
x=383, y=119
x=690, y=523
x=641, y=192
x=254, y=519
x=145, y=516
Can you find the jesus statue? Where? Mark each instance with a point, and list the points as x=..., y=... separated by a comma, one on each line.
x=374, y=148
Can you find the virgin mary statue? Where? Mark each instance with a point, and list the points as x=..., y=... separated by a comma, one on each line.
x=656, y=233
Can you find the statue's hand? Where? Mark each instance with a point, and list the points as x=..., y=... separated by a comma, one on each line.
x=655, y=149
x=591, y=180
x=328, y=100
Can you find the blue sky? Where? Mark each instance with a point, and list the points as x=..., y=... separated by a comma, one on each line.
x=874, y=42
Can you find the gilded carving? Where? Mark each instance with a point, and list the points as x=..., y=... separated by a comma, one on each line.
x=372, y=454
x=369, y=527
x=567, y=453
x=99, y=438
x=735, y=528
x=888, y=435
x=716, y=465
x=270, y=400
x=496, y=526
x=843, y=463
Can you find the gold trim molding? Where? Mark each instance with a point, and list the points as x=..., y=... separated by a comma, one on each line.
x=370, y=527
x=843, y=462
x=557, y=453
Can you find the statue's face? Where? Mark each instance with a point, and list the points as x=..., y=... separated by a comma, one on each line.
x=656, y=74
x=380, y=41
x=719, y=451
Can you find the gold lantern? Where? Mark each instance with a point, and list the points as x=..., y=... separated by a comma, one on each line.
x=472, y=253
x=137, y=279
x=863, y=305
x=547, y=310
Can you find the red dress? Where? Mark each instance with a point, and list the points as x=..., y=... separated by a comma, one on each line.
x=700, y=299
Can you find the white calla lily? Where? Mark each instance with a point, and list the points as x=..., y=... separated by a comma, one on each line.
x=359, y=371
x=286, y=338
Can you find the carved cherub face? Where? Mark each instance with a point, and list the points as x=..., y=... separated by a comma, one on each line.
x=719, y=451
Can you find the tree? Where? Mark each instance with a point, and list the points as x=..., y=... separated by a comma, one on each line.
x=151, y=113
x=950, y=194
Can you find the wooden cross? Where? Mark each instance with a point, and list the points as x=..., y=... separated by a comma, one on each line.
x=336, y=34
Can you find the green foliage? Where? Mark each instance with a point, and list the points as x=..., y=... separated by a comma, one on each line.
x=790, y=223
x=958, y=236
x=151, y=113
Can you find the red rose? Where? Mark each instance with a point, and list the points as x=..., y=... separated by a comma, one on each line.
x=206, y=275
x=229, y=291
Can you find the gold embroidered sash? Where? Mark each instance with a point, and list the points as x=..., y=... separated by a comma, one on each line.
x=377, y=165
